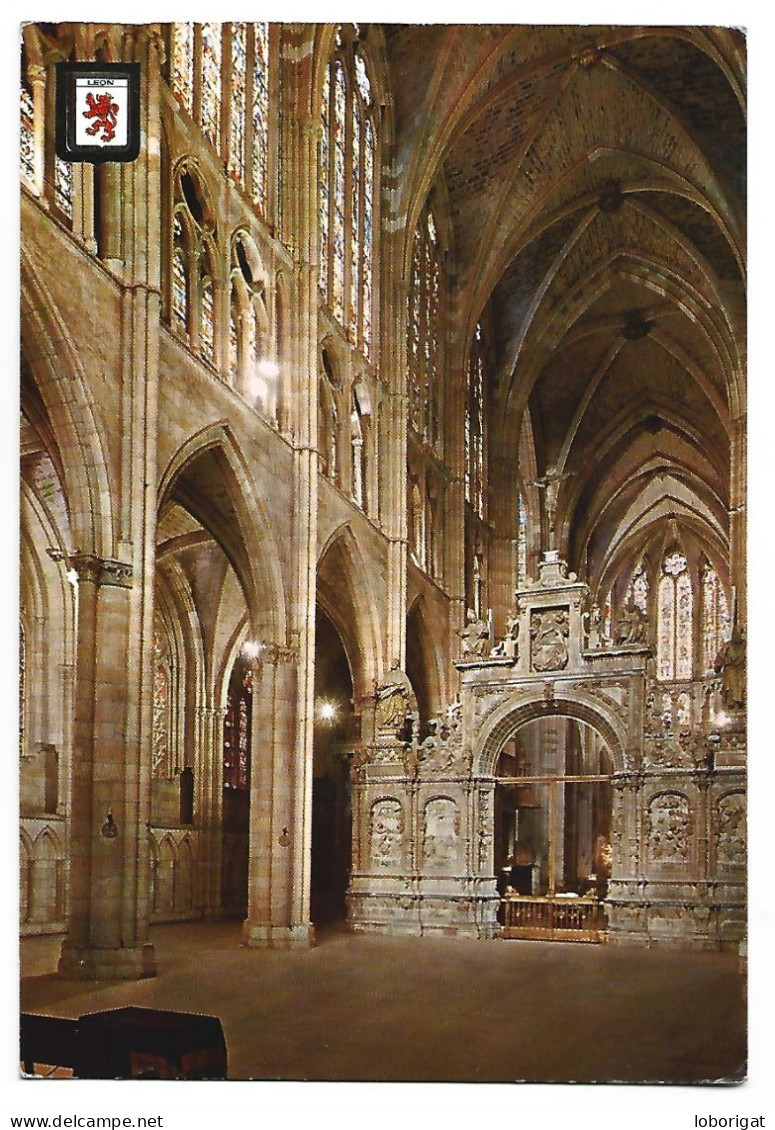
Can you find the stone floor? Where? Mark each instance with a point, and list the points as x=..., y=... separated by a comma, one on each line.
x=433, y=1009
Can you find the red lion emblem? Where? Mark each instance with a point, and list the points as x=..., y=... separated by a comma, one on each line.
x=105, y=110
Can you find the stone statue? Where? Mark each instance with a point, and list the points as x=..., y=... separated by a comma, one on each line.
x=633, y=624
x=392, y=706
x=730, y=664
x=474, y=638
x=595, y=637
x=509, y=645
x=550, y=483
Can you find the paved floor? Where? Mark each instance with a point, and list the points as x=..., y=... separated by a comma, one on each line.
x=433, y=1009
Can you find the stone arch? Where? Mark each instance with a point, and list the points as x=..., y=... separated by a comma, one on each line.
x=164, y=887
x=60, y=385
x=46, y=902
x=342, y=581
x=517, y=712
x=238, y=522
x=25, y=865
x=420, y=634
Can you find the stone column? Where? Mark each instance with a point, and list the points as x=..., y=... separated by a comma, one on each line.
x=37, y=80
x=271, y=921
x=108, y=921
x=113, y=710
x=209, y=807
x=108, y=176
x=737, y=518
x=394, y=514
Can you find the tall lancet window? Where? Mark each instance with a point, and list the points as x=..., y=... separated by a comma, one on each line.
x=260, y=113
x=161, y=707
x=674, y=619
x=347, y=193
x=474, y=426
x=424, y=330
x=211, y=82
x=239, y=99
x=716, y=622
x=179, y=279
x=339, y=200
x=27, y=110
x=521, y=540
x=183, y=65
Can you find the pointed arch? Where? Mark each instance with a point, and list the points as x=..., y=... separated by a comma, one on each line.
x=60, y=383
x=424, y=650
x=238, y=522
x=343, y=584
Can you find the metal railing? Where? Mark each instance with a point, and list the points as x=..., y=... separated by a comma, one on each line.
x=553, y=918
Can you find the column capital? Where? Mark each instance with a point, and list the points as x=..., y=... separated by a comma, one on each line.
x=102, y=570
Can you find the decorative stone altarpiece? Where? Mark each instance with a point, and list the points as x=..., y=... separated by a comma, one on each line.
x=423, y=811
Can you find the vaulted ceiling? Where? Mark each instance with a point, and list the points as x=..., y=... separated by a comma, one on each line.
x=593, y=180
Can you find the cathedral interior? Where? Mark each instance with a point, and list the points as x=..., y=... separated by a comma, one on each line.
x=383, y=503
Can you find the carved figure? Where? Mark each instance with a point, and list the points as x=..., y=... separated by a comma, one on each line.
x=392, y=706
x=474, y=638
x=550, y=483
x=595, y=636
x=549, y=633
x=633, y=624
x=731, y=831
x=730, y=664
x=509, y=645
x=440, y=832
x=669, y=828
x=387, y=829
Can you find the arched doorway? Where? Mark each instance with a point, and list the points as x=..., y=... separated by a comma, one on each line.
x=552, y=835
x=335, y=725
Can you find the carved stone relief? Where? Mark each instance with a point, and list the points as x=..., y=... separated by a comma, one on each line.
x=731, y=832
x=669, y=828
x=387, y=833
x=440, y=833
x=549, y=631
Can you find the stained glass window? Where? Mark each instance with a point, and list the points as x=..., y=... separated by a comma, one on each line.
x=674, y=619
x=368, y=235
x=339, y=203
x=211, y=81
x=237, y=738
x=333, y=448
x=22, y=686
x=362, y=79
x=638, y=589
x=416, y=387
x=424, y=307
x=355, y=212
x=347, y=192
x=27, y=133
x=716, y=624
x=474, y=426
x=63, y=186
x=161, y=698
x=183, y=64
x=207, y=328
x=521, y=540
x=324, y=208
x=233, y=336
x=260, y=113
x=179, y=281
x=239, y=63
